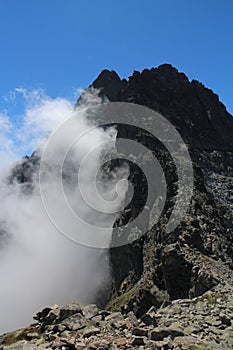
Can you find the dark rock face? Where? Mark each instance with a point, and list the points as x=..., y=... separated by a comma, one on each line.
x=112, y=85
x=24, y=172
x=197, y=256
x=194, y=110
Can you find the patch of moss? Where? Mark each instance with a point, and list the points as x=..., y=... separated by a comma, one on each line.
x=117, y=303
x=21, y=334
x=40, y=341
x=211, y=298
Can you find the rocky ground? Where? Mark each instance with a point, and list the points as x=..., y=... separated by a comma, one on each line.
x=204, y=322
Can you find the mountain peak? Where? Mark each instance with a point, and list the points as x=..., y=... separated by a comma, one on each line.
x=193, y=109
x=110, y=83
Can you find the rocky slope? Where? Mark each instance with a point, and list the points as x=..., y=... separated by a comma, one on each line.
x=169, y=291
x=185, y=263
x=200, y=323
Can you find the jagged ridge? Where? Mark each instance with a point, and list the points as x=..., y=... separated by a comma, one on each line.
x=160, y=267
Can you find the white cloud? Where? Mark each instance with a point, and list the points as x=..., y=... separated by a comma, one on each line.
x=22, y=134
x=38, y=265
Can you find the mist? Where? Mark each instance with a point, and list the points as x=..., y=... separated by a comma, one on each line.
x=39, y=264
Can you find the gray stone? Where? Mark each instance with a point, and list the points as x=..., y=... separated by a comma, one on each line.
x=89, y=331
x=75, y=322
x=161, y=333
x=90, y=311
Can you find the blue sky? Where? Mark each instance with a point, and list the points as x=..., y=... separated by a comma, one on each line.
x=62, y=45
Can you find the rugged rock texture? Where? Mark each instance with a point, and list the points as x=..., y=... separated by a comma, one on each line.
x=184, y=264
x=201, y=323
x=169, y=291
x=196, y=111
x=198, y=255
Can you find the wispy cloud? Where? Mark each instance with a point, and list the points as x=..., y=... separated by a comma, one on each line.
x=7, y=151
x=20, y=134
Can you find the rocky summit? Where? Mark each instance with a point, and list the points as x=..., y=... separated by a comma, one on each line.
x=169, y=291
x=197, y=255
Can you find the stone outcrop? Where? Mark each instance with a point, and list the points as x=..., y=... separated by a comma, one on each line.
x=198, y=255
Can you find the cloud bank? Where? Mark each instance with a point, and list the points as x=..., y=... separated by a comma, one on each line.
x=38, y=265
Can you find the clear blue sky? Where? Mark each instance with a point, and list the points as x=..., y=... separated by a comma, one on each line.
x=60, y=45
